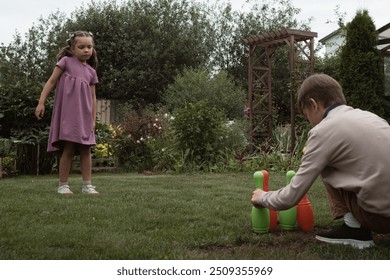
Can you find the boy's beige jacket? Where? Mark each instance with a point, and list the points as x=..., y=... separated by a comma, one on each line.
x=350, y=150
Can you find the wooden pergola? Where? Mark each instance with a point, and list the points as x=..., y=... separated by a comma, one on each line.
x=301, y=64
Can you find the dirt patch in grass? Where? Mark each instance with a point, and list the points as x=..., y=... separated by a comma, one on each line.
x=281, y=245
x=267, y=246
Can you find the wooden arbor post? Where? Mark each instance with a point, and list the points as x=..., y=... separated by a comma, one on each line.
x=301, y=64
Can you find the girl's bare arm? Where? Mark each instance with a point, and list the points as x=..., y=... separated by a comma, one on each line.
x=50, y=84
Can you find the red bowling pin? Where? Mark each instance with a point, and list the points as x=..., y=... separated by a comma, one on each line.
x=273, y=216
x=305, y=217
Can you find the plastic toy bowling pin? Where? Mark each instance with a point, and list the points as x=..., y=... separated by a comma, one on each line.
x=305, y=216
x=273, y=215
x=260, y=216
x=289, y=175
x=288, y=218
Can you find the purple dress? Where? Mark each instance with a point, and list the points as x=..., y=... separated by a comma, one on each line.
x=71, y=119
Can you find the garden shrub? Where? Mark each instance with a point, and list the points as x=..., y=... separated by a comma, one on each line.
x=199, y=131
x=132, y=136
x=103, y=149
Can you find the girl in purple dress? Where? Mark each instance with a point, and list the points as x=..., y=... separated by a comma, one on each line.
x=72, y=127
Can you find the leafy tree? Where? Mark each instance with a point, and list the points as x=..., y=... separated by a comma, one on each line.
x=361, y=71
x=24, y=68
x=142, y=45
x=231, y=27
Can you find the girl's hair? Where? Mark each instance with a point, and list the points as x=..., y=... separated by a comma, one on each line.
x=67, y=51
x=323, y=89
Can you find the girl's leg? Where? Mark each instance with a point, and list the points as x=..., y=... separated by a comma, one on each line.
x=66, y=161
x=86, y=169
x=86, y=162
x=64, y=168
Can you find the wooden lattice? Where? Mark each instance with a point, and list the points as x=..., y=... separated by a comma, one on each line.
x=301, y=64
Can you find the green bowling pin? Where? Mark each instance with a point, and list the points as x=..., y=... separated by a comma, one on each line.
x=288, y=218
x=260, y=216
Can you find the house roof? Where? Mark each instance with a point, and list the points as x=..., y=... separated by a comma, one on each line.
x=327, y=37
x=383, y=38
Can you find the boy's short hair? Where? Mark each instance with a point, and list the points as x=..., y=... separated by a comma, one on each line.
x=323, y=89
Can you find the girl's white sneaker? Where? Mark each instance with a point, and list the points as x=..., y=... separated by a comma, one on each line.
x=64, y=190
x=89, y=189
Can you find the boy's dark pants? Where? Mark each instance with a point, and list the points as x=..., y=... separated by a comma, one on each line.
x=342, y=202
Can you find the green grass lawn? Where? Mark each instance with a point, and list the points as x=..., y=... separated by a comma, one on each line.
x=186, y=216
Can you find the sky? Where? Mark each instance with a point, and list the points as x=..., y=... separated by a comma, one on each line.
x=20, y=15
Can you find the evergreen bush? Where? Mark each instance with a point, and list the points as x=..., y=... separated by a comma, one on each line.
x=361, y=72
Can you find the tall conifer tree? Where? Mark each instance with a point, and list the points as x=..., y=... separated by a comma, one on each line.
x=361, y=72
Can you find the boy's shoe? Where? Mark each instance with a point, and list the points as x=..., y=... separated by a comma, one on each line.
x=64, y=190
x=357, y=237
x=89, y=189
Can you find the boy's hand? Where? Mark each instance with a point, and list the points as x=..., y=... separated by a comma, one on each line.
x=257, y=195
